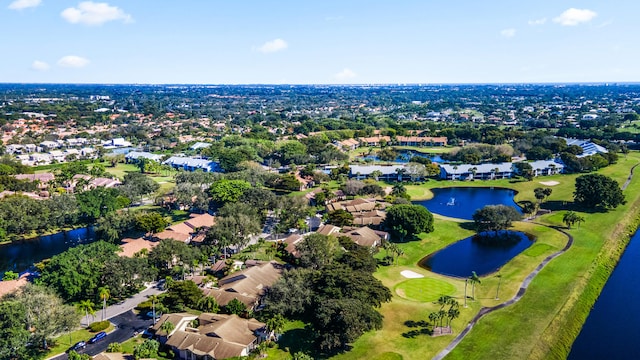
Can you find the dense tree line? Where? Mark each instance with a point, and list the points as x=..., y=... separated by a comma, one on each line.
x=334, y=291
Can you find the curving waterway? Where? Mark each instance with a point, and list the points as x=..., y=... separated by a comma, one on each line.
x=21, y=255
x=612, y=328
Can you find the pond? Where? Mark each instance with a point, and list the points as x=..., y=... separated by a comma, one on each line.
x=484, y=253
x=21, y=255
x=404, y=156
x=611, y=330
x=462, y=202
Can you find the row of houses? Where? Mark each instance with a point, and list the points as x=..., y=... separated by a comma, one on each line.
x=504, y=170
x=186, y=163
x=377, y=141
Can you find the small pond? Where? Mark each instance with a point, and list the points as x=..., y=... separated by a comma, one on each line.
x=20, y=255
x=462, y=202
x=404, y=156
x=484, y=254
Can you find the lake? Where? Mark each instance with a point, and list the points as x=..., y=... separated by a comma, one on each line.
x=482, y=254
x=611, y=330
x=21, y=255
x=462, y=202
x=404, y=156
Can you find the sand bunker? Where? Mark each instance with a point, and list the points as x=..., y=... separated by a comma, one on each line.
x=549, y=183
x=411, y=274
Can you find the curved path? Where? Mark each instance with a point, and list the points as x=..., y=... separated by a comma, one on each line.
x=521, y=291
x=523, y=288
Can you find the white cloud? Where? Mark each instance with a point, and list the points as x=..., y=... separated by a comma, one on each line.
x=73, y=61
x=39, y=65
x=23, y=4
x=535, y=22
x=92, y=13
x=573, y=17
x=508, y=33
x=345, y=74
x=273, y=46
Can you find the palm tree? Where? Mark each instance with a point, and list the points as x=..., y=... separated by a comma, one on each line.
x=167, y=327
x=570, y=218
x=473, y=171
x=376, y=174
x=452, y=313
x=455, y=168
x=86, y=306
x=474, y=279
x=398, y=189
x=499, y=276
x=153, y=299
x=466, y=281
x=275, y=325
x=104, y=295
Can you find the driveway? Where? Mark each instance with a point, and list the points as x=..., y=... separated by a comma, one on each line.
x=122, y=307
x=126, y=325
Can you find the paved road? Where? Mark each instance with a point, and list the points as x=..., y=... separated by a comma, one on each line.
x=126, y=325
x=128, y=304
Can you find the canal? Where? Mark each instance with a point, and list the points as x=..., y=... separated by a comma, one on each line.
x=611, y=330
x=21, y=255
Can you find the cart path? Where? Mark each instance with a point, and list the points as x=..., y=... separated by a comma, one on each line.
x=521, y=291
x=523, y=288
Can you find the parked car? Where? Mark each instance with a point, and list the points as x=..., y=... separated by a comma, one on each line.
x=78, y=346
x=97, y=337
x=158, y=314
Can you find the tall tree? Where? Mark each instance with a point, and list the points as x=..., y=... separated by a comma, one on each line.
x=408, y=220
x=596, y=190
x=104, y=294
x=495, y=217
x=474, y=279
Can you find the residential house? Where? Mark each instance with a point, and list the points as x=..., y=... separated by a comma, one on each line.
x=199, y=145
x=217, y=336
x=421, y=141
x=349, y=144
x=180, y=321
x=291, y=241
x=173, y=235
x=328, y=229
x=479, y=171
x=588, y=148
x=192, y=164
x=130, y=247
x=247, y=285
x=43, y=178
x=546, y=167
x=366, y=236
x=374, y=141
x=389, y=172
x=135, y=156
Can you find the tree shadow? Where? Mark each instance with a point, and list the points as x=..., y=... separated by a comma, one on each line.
x=421, y=327
x=298, y=340
x=556, y=205
x=468, y=225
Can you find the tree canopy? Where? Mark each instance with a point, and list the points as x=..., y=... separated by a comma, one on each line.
x=495, y=217
x=596, y=190
x=407, y=221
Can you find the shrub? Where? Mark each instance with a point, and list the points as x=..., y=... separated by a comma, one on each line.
x=144, y=306
x=10, y=275
x=114, y=347
x=99, y=326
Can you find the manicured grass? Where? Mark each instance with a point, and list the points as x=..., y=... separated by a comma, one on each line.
x=424, y=289
x=388, y=356
x=64, y=342
x=536, y=326
x=120, y=170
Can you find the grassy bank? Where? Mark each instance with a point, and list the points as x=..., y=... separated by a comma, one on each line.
x=545, y=322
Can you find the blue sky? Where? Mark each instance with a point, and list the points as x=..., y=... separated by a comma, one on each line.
x=319, y=42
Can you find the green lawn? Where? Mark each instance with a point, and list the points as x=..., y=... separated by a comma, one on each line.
x=531, y=327
x=64, y=342
x=424, y=289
